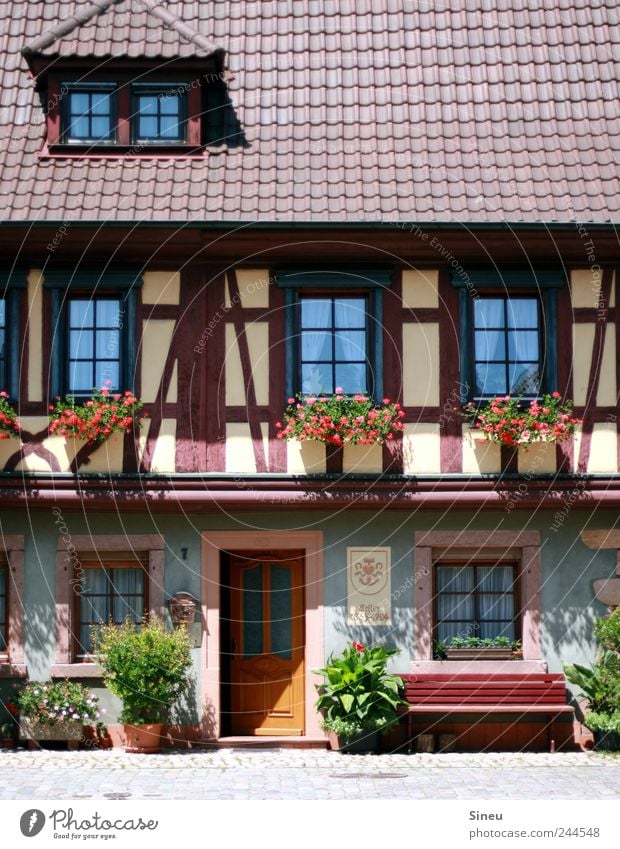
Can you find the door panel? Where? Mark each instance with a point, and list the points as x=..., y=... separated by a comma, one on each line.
x=267, y=643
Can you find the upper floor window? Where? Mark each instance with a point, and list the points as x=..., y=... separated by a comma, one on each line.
x=158, y=114
x=476, y=600
x=90, y=114
x=3, y=609
x=333, y=344
x=94, y=344
x=507, y=346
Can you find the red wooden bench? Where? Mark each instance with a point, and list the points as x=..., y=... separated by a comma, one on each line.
x=521, y=694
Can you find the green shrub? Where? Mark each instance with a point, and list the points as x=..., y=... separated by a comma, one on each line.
x=603, y=721
x=600, y=683
x=145, y=666
x=358, y=693
x=607, y=630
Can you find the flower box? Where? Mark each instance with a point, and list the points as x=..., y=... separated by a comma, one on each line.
x=55, y=731
x=482, y=653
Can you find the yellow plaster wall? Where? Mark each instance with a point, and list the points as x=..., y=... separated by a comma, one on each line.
x=583, y=341
x=421, y=365
x=420, y=288
x=606, y=394
x=421, y=449
x=161, y=287
x=239, y=447
x=257, y=334
x=253, y=286
x=35, y=335
x=156, y=340
x=603, y=450
x=164, y=454
x=173, y=389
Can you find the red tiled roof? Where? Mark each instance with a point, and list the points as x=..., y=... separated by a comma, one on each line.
x=356, y=110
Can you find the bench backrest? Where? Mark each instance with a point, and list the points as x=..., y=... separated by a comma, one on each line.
x=481, y=689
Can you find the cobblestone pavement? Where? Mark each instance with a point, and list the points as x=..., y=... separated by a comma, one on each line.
x=306, y=774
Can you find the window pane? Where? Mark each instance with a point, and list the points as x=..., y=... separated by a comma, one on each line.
x=108, y=342
x=107, y=371
x=252, y=605
x=93, y=580
x=79, y=103
x=490, y=345
x=80, y=377
x=496, y=606
x=316, y=313
x=316, y=346
x=350, y=345
x=522, y=312
x=490, y=379
x=455, y=607
x=148, y=128
x=351, y=378
x=2, y=312
x=447, y=630
x=524, y=379
x=169, y=127
x=495, y=579
x=455, y=579
x=79, y=128
x=523, y=345
x=489, y=630
x=169, y=104
x=281, y=624
x=127, y=581
x=101, y=104
x=489, y=312
x=316, y=379
x=127, y=608
x=350, y=312
x=81, y=344
x=81, y=313
x=147, y=104
x=100, y=128
x=108, y=313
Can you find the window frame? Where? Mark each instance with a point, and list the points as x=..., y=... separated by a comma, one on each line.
x=107, y=564
x=154, y=88
x=4, y=626
x=11, y=285
x=505, y=297
x=94, y=360
x=64, y=284
x=544, y=283
x=334, y=281
x=480, y=562
x=67, y=88
x=333, y=297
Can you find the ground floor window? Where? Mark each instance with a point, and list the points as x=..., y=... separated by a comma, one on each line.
x=476, y=600
x=114, y=592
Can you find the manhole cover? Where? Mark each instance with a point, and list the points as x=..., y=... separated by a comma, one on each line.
x=117, y=795
x=368, y=775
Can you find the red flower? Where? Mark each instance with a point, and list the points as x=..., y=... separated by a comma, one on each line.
x=357, y=646
x=12, y=708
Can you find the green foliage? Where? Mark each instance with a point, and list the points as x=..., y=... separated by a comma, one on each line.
x=6, y=730
x=481, y=642
x=145, y=666
x=57, y=701
x=603, y=721
x=599, y=684
x=607, y=630
x=358, y=693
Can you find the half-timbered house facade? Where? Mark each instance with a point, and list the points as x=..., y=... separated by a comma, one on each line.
x=218, y=206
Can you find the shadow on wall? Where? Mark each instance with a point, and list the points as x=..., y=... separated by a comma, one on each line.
x=397, y=635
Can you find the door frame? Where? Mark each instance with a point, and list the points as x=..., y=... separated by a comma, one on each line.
x=213, y=543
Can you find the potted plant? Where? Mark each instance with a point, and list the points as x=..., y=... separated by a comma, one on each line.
x=478, y=648
x=55, y=710
x=7, y=735
x=97, y=418
x=359, y=698
x=341, y=419
x=599, y=684
x=9, y=423
x=146, y=666
x=513, y=422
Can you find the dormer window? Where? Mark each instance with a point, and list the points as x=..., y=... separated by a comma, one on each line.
x=89, y=114
x=159, y=114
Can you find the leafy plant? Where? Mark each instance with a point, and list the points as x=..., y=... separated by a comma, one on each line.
x=600, y=683
x=603, y=721
x=358, y=693
x=145, y=666
x=340, y=418
x=9, y=424
x=481, y=642
x=607, y=630
x=94, y=420
x=7, y=731
x=49, y=702
x=510, y=421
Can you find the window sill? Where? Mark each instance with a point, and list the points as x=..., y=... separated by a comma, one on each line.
x=116, y=151
x=10, y=670
x=76, y=670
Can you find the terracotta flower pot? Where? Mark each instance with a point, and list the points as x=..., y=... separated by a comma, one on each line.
x=367, y=741
x=143, y=739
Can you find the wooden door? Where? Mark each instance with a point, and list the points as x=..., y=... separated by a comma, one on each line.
x=267, y=644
